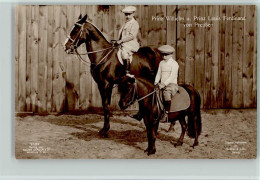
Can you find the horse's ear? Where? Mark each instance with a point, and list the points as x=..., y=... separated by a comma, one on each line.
x=80, y=16
x=84, y=18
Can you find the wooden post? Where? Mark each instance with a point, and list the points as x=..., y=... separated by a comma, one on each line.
x=248, y=59
x=228, y=59
x=215, y=59
x=152, y=35
x=42, y=73
x=62, y=54
x=28, y=56
x=34, y=57
x=181, y=44
x=111, y=22
x=208, y=58
x=161, y=26
x=22, y=57
x=49, y=59
x=190, y=47
x=58, y=66
x=199, y=53
x=237, y=59
x=144, y=24
x=221, y=64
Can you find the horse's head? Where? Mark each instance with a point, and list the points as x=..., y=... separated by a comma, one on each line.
x=77, y=35
x=128, y=91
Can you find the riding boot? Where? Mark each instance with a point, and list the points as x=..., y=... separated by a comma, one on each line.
x=137, y=116
x=127, y=68
x=167, y=107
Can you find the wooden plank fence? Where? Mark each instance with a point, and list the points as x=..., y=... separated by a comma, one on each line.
x=220, y=61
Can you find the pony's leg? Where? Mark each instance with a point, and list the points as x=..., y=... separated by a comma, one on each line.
x=105, y=93
x=151, y=136
x=171, y=128
x=183, y=130
x=155, y=125
x=147, y=132
x=196, y=142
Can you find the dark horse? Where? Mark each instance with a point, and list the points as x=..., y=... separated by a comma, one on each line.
x=105, y=67
x=133, y=88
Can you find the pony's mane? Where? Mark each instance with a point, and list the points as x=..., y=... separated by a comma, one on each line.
x=98, y=30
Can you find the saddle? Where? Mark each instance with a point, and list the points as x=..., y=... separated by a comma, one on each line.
x=180, y=101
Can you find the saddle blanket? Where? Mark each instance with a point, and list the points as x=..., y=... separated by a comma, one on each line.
x=180, y=101
x=120, y=58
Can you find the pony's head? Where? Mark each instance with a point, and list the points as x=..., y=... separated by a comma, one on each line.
x=128, y=91
x=77, y=35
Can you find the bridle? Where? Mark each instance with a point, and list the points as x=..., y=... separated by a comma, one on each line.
x=74, y=46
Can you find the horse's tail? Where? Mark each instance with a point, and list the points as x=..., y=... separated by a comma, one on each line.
x=194, y=120
x=194, y=116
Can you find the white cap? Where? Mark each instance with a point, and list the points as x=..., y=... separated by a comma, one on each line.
x=166, y=49
x=129, y=9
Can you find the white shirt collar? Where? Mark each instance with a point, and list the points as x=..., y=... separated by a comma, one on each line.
x=170, y=59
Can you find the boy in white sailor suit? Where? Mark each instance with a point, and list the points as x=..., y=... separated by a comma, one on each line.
x=128, y=37
x=166, y=77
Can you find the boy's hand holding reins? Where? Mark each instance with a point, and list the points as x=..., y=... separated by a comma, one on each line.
x=160, y=86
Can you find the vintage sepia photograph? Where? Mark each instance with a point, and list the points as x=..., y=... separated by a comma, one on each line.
x=135, y=81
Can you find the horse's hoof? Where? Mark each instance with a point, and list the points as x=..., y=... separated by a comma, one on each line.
x=151, y=152
x=103, y=133
x=195, y=144
x=178, y=144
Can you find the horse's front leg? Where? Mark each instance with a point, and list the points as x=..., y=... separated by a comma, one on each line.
x=151, y=128
x=105, y=92
x=171, y=128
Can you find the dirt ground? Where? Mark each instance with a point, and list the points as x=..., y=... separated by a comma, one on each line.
x=225, y=134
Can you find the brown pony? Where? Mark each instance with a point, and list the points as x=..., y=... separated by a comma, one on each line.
x=133, y=89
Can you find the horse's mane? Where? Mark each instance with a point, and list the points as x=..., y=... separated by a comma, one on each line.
x=145, y=82
x=99, y=31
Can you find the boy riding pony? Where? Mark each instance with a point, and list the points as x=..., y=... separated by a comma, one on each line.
x=166, y=78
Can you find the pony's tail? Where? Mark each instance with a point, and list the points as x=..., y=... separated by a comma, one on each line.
x=194, y=121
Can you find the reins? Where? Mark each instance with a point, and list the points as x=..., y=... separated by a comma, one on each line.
x=155, y=98
x=147, y=95
x=92, y=52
